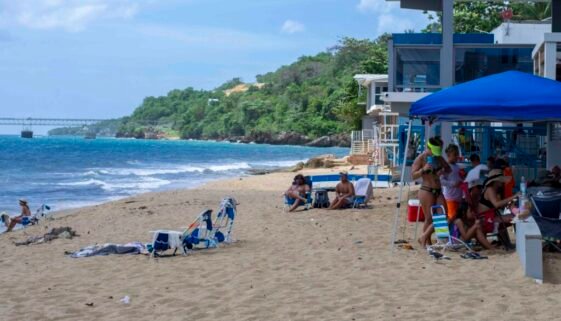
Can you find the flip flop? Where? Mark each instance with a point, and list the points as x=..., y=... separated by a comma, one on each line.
x=473, y=256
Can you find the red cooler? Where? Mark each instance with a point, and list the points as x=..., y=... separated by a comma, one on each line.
x=413, y=207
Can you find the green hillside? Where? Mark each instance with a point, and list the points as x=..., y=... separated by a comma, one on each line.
x=314, y=96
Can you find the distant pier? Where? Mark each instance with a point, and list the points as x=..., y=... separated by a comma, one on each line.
x=28, y=123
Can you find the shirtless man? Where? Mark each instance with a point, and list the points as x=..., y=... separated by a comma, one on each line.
x=430, y=166
x=345, y=193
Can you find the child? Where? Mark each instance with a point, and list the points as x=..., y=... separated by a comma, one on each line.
x=452, y=181
x=465, y=230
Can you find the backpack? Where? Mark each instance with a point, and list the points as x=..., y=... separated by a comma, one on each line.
x=321, y=199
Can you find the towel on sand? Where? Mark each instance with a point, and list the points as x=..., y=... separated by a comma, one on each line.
x=110, y=248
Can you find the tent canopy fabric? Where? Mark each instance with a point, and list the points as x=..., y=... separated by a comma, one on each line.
x=509, y=96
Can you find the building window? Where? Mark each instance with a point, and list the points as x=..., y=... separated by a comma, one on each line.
x=418, y=69
x=473, y=63
x=555, y=134
x=378, y=95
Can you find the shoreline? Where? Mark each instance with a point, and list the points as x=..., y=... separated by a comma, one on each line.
x=306, y=265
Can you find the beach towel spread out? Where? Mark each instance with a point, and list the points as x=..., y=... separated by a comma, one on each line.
x=110, y=248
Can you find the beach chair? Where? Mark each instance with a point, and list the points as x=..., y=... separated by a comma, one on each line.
x=363, y=192
x=224, y=222
x=164, y=240
x=200, y=234
x=547, y=206
x=288, y=202
x=196, y=235
x=550, y=230
x=444, y=239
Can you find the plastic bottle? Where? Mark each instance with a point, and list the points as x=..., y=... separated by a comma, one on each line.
x=523, y=186
x=522, y=198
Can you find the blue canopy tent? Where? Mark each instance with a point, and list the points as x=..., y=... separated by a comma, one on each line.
x=510, y=96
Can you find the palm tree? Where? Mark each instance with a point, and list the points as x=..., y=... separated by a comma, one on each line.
x=531, y=11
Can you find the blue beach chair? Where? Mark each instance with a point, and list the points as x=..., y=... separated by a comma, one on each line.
x=444, y=239
x=224, y=223
x=288, y=202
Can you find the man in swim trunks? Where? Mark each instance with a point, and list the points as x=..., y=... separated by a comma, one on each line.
x=345, y=193
x=430, y=166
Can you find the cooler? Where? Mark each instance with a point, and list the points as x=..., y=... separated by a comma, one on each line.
x=413, y=207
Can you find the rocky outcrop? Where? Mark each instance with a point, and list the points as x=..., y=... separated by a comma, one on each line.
x=283, y=138
x=339, y=140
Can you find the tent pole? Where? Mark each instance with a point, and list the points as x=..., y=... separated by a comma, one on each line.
x=398, y=205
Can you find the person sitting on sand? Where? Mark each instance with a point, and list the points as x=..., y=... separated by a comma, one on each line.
x=345, y=193
x=25, y=214
x=297, y=192
x=466, y=229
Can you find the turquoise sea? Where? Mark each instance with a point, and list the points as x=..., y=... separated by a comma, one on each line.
x=73, y=172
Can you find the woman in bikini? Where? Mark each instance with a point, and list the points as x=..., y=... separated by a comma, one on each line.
x=430, y=166
x=25, y=214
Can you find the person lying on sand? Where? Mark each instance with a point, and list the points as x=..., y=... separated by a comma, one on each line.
x=345, y=193
x=297, y=192
x=25, y=214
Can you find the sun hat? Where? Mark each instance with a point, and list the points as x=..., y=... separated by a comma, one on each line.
x=22, y=201
x=496, y=175
x=344, y=173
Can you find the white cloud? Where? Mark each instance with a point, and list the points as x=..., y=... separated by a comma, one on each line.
x=69, y=15
x=380, y=6
x=215, y=38
x=291, y=26
x=393, y=23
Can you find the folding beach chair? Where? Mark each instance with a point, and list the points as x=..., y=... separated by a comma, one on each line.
x=224, y=222
x=550, y=230
x=197, y=235
x=363, y=192
x=200, y=233
x=444, y=240
x=288, y=202
x=546, y=212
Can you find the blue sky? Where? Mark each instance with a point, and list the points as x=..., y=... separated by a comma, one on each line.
x=100, y=58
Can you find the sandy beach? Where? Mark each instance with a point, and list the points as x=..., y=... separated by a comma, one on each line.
x=308, y=265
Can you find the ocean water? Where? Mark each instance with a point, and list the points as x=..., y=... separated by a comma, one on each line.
x=72, y=172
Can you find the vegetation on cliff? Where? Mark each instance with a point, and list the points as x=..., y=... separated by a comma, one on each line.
x=312, y=97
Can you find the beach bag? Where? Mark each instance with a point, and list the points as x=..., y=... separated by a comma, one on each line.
x=321, y=199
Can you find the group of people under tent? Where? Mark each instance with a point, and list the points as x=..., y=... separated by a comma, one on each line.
x=474, y=201
x=344, y=192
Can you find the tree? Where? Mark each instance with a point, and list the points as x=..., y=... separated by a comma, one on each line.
x=484, y=16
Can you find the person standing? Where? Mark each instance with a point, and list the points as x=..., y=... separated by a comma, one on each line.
x=451, y=182
x=429, y=166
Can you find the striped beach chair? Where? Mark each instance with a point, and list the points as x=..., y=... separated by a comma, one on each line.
x=444, y=239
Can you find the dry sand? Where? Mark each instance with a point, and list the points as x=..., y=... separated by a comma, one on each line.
x=309, y=265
